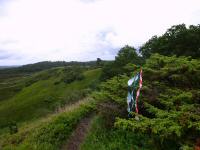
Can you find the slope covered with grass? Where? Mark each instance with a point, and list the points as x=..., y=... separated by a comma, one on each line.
x=44, y=93
x=51, y=132
x=169, y=102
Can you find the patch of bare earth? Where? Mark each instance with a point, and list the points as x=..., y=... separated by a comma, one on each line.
x=78, y=135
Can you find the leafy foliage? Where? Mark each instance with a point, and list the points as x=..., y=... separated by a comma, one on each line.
x=178, y=40
x=126, y=55
x=169, y=101
x=103, y=138
x=72, y=74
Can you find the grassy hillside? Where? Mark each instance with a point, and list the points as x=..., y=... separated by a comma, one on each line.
x=50, y=132
x=42, y=93
x=49, y=106
x=168, y=109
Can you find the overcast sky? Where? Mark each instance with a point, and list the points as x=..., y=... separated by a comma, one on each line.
x=40, y=30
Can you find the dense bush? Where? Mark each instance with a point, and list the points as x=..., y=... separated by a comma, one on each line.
x=169, y=101
x=72, y=74
x=102, y=138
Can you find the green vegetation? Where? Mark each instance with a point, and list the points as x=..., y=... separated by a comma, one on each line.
x=72, y=74
x=51, y=133
x=178, y=40
x=126, y=55
x=39, y=95
x=41, y=110
x=169, y=104
x=40, y=66
x=103, y=138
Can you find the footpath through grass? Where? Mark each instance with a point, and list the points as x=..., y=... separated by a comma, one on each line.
x=50, y=134
x=101, y=137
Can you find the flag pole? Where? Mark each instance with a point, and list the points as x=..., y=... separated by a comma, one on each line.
x=137, y=95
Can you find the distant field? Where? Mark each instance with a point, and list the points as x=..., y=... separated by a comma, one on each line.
x=28, y=98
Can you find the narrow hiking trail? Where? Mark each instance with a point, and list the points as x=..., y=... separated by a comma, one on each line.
x=78, y=135
x=26, y=128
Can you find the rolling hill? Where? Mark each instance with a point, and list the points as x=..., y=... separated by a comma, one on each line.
x=48, y=108
x=31, y=97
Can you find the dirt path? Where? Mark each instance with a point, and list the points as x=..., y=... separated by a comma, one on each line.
x=78, y=135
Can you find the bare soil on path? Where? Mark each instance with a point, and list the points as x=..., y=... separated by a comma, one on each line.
x=78, y=135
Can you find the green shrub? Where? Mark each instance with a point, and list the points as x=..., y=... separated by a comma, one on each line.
x=168, y=103
x=72, y=74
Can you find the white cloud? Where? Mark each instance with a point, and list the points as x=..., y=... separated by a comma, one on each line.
x=40, y=30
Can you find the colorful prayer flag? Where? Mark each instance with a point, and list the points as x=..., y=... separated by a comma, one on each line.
x=134, y=86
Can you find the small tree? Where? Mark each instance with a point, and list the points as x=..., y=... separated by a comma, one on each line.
x=125, y=56
x=99, y=62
